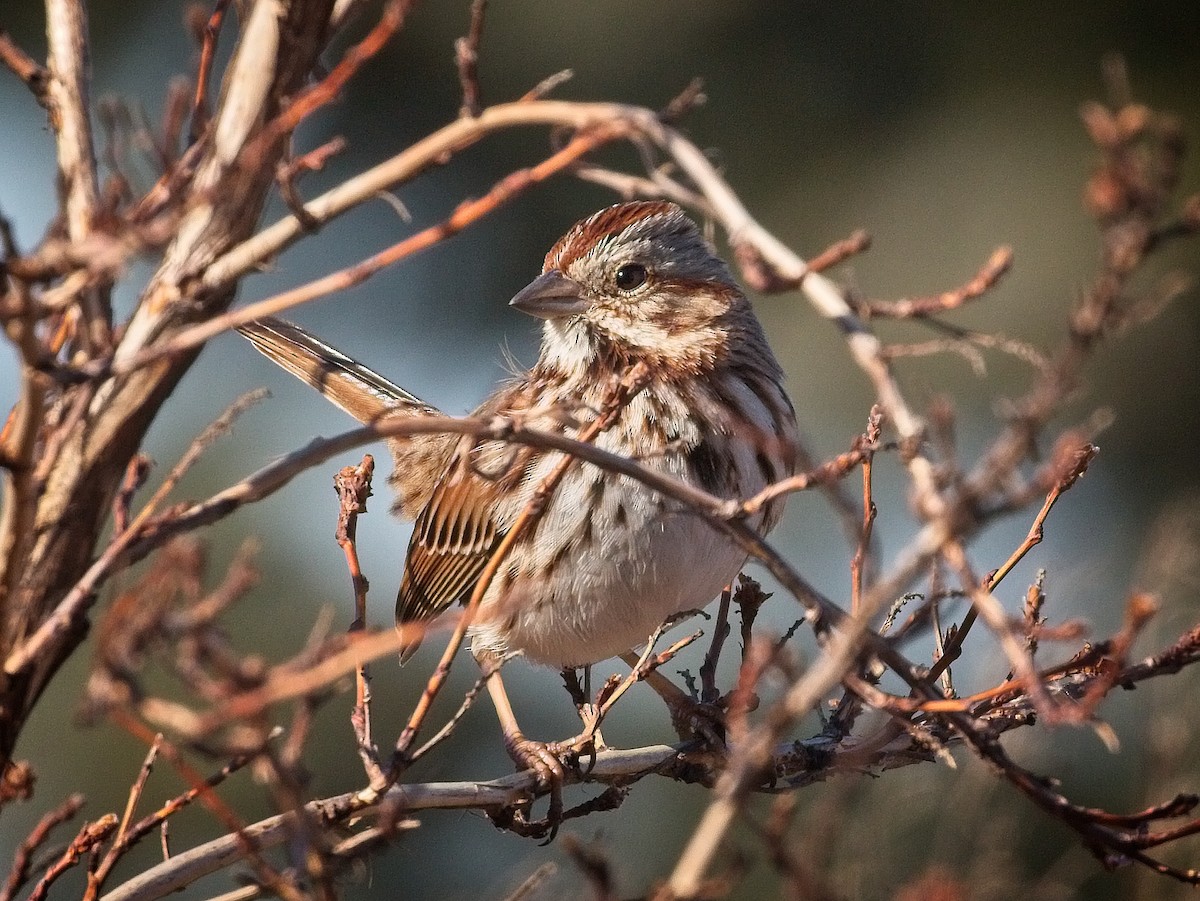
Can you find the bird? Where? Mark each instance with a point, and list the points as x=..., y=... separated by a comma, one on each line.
x=609, y=559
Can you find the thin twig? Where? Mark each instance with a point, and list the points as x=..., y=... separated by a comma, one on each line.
x=466, y=56
x=208, y=48
x=916, y=307
x=353, y=486
x=24, y=66
x=23, y=856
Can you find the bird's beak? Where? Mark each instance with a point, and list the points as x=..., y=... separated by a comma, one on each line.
x=551, y=296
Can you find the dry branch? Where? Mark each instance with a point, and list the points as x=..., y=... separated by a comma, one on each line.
x=70, y=456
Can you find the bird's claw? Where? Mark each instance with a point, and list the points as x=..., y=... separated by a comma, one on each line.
x=698, y=720
x=546, y=760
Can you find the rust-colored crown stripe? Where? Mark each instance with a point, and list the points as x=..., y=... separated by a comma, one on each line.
x=605, y=224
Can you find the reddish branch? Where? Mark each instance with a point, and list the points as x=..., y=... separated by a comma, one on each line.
x=916, y=307
x=353, y=486
x=23, y=857
x=208, y=48
x=318, y=95
x=289, y=173
x=24, y=67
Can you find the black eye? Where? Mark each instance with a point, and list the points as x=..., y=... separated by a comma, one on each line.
x=630, y=276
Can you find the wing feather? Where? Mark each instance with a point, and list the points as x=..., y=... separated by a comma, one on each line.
x=461, y=526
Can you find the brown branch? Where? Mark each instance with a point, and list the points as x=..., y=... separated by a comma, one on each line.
x=466, y=57
x=25, y=67
x=23, y=856
x=829, y=471
x=869, y=441
x=208, y=47
x=288, y=173
x=1070, y=462
x=451, y=724
x=89, y=837
x=644, y=667
x=917, y=307
x=709, y=693
x=840, y=251
x=353, y=486
x=391, y=20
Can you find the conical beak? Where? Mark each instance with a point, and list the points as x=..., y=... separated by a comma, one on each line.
x=551, y=296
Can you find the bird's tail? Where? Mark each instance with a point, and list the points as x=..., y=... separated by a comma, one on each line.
x=361, y=392
x=365, y=395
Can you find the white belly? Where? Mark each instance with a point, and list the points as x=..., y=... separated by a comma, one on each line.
x=629, y=557
x=615, y=598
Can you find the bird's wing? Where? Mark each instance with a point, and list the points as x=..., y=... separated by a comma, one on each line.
x=451, y=542
x=466, y=517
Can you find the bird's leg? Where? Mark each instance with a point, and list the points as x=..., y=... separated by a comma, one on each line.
x=690, y=717
x=538, y=756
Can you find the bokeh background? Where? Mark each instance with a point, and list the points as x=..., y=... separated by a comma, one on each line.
x=944, y=130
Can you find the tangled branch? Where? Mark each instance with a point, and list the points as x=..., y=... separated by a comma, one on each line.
x=90, y=386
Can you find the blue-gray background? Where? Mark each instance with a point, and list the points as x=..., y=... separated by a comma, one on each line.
x=942, y=129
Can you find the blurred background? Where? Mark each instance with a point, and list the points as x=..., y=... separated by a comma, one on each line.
x=944, y=130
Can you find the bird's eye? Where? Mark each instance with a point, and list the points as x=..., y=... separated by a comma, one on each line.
x=631, y=276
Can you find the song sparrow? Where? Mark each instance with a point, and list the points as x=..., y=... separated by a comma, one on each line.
x=609, y=558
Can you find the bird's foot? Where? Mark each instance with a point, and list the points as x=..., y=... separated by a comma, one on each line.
x=698, y=720
x=548, y=761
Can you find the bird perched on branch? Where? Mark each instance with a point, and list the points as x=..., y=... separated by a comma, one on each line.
x=609, y=558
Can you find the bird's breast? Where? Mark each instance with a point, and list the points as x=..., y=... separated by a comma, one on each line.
x=610, y=558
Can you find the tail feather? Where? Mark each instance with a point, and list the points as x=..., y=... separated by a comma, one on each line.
x=365, y=395
x=361, y=392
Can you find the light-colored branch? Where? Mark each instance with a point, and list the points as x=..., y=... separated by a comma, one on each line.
x=66, y=95
x=70, y=111
x=188, y=866
x=70, y=116
x=403, y=167
x=248, y=95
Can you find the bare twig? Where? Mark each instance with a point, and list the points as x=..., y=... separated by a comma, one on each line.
x=208, y=47
x=983, y=281
x=25, y=67
x=353, y=486
x=466, y=55
x=23, y=857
